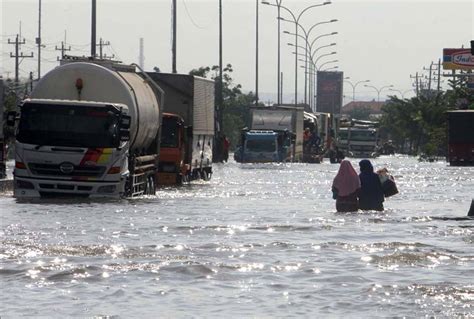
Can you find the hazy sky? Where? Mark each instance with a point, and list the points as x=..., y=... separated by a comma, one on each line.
x=382, y=41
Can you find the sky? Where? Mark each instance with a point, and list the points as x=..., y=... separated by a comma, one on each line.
x=386, y=42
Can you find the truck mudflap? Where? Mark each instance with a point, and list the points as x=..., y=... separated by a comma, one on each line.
x=34, y=188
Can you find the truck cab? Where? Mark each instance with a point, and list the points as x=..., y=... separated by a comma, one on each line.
x=358, y=141
x=262, y=147
x=171, y=167
x=70, y=147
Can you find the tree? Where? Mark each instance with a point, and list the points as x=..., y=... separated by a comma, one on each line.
x=236, y=103
x=418, y=125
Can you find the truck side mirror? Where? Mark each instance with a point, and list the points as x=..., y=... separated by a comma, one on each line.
x=11, y=117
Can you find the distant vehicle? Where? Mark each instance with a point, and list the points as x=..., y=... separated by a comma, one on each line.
x=263, y=147
x=285, y=126
x=187, y=133
x=360, y=139
x=461, y=138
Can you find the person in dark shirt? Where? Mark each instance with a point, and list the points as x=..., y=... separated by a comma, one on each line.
x=371, y=193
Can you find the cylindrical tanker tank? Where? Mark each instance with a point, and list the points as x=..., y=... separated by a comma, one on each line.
x=92, y=82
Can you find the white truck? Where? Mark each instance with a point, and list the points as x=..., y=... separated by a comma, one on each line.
x=89, y=128
x=285, y=120
x=359, y=139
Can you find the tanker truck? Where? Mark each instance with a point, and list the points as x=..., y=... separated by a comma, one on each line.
x=89, y=128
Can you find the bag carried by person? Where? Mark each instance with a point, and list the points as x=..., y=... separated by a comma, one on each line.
x=389, y=187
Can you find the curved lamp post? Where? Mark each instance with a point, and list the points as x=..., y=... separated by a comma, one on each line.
x=278, y=6
x=325, y=63
x=331, y=68
x=296, y=20
x=322, y=56
x=378, y=90
x=354, y=86
x=402, y=94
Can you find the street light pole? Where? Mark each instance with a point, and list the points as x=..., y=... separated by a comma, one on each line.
x=331, y=68
x=354, y=86
x=93, y=29
x=256, y=52
x=296, y=21
x=309, y=48
x=378, y=90
x=325, y=63
x=322, y=56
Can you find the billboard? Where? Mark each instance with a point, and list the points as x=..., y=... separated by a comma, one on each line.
x=329, y=92
x=458, y=59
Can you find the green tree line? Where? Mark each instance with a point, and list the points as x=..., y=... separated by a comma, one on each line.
x=418, y=126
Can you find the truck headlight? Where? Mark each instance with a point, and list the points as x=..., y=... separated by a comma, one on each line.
x=24, y=184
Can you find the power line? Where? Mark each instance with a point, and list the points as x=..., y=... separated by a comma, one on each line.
x=192, y=20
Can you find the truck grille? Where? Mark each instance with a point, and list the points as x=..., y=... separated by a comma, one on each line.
x=78, y=171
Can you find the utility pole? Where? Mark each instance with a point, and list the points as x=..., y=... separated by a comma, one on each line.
x=439, y=75
x=429, y=77
x=141, y=55
x=38, y=41
x=218, y=139
x=63, y=49
x=256, y=53
x=93, y=29
x=101, y=45
x=175, y=9
x=280, y=98
x=416, y=83
x=220, y=68
x=18, y=55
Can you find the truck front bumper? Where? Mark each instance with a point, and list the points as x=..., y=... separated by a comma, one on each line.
x=34, y=188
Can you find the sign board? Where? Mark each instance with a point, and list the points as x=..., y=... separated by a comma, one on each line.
x=329, y=92
x=458, y=59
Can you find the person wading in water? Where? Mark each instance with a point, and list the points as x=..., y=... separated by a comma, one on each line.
x=345, y=188
x=371, y=193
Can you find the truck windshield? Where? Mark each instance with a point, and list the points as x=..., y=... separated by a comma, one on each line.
x=366, y=135
x=169, y=132
x=266, y=145
x=66, y=125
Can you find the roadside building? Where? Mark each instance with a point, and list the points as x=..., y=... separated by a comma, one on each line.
x=363, y=110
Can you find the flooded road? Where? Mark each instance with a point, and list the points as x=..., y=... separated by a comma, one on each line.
x=256, y=241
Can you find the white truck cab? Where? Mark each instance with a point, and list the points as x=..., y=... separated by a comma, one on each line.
x=71, y=147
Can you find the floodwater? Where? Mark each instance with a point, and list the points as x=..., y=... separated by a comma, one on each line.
x=260, y=241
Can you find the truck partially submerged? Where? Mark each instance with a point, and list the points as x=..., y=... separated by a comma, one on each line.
x=188, y=128
x=460, y=138
x=359, y=139
x=90, y=128
x=275, y=135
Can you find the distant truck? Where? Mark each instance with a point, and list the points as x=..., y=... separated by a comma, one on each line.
x=263, y=147
x=359, y=139
x=460, y=138
x=188, y=128
x=279, y=130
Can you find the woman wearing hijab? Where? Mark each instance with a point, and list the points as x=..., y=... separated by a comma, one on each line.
x=371, y=193
x=345, y=187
